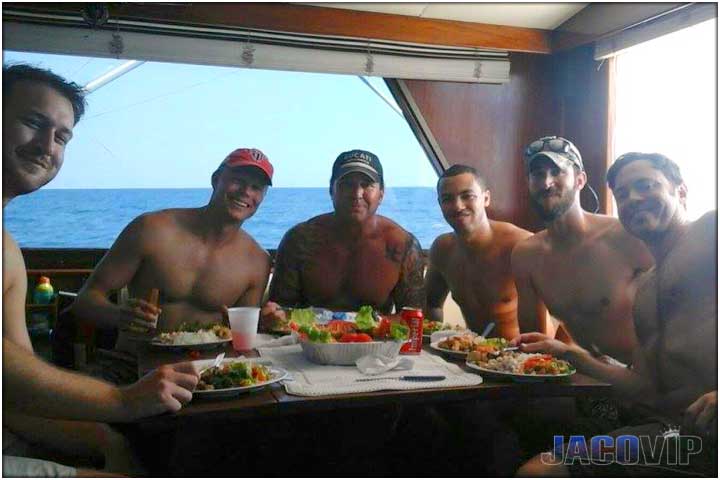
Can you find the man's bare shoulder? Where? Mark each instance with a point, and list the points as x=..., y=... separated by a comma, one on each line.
x=533, y=244
x=444, y=242
x=13, y=262
x=701, y=239
x=319, y=223
x=607, y=228
x=391, y=229
x=160, y=220
x=305, y=237
x=527, y=251
x=441, y=247
x=705, y=227
x=508, y=232
x=611, y=231
x=9, y=243
x=395, y=235
x=252, y=247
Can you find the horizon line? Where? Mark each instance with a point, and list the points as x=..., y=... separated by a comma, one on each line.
x=208, y=188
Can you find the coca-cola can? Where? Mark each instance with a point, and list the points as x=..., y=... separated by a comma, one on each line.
x=413, y=318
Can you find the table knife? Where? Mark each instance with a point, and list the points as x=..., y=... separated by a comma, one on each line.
x=407, y=378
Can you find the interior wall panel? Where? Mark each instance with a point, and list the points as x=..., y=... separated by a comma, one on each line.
x=488, y=126
x=583, y=92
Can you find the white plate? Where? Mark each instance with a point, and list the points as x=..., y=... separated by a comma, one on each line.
x=447, y=351
x=518, y=377
x=278, y=374
x=191, y=346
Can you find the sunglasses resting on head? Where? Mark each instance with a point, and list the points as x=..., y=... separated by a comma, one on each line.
x=553, y=144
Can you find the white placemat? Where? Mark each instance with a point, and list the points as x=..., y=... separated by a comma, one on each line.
x=312, y=380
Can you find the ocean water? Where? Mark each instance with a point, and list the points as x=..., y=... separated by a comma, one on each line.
x=75, y=218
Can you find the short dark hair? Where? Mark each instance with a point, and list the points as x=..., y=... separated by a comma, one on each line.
x=459, y=169
x=659, y=161
x=20, y=72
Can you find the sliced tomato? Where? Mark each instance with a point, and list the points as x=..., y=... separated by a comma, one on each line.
x=338, y=328
x=355, y=338
x=293, y=326
x=536, y=361
x=383, y=328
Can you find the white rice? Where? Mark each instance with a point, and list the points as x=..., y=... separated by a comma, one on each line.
x=189, y=338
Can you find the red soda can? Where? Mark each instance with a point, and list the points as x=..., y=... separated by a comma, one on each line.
x=413, y=318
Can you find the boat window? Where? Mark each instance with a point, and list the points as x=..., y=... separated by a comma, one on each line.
x=152, y=137
x=666, y=102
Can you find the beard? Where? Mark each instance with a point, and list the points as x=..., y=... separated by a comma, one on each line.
x=556, y=211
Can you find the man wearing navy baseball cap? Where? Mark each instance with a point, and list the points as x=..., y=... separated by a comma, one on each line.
x=200, y=259
x=350, y=257
x=358, y=161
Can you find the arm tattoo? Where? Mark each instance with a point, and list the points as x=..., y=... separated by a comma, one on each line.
x=410, y=291
x=285, y=288
x=394, y=253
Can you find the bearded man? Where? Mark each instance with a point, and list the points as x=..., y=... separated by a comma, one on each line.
x=583, y=266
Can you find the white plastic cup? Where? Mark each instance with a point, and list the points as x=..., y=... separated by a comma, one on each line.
x=244, y=325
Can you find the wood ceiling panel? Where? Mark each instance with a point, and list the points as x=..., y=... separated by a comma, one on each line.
x=321, y=21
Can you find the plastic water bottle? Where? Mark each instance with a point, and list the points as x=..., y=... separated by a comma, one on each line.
x=44, y=292
x=42, y=295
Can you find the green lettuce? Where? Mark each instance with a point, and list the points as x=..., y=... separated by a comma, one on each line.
x=364, y=319
x=316, y=335
x=303, y=317
x=398, y=331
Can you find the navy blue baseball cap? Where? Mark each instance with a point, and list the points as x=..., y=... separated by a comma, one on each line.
x=360, y=161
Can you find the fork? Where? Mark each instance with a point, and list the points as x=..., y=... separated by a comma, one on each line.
x=216, y=363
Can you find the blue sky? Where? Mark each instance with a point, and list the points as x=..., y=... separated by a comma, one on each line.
x=168, y=125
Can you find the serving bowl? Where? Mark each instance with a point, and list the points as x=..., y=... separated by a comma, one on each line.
x=347, y=353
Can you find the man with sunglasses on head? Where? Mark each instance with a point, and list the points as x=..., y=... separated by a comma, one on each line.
x=583, y=266
x=673, y=381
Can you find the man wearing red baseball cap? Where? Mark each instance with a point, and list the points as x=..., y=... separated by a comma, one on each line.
x=249, y=157
x=200, y=259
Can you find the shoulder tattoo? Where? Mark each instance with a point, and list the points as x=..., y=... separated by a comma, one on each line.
x=410, y=291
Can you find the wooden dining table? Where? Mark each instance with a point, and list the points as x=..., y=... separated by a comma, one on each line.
x=183, y=443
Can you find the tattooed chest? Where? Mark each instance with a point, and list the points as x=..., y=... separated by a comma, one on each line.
x=354, y=275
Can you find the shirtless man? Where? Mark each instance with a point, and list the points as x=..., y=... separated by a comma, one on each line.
x=675, y=368
x=350, y=257
x=583, y=266
x=473, y=262
x=40, y=111
x=199, y=258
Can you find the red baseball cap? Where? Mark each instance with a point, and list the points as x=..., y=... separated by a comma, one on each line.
x=250, y=157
